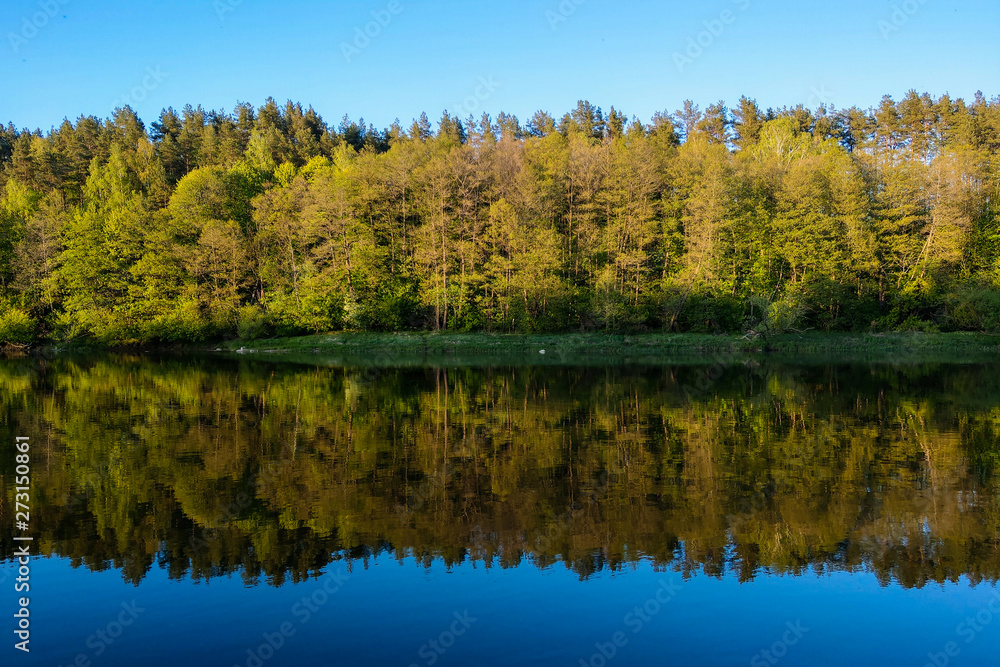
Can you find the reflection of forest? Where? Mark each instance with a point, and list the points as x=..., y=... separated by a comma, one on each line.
x=211, y=467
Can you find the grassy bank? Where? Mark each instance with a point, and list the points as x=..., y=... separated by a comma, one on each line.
x=474, y=349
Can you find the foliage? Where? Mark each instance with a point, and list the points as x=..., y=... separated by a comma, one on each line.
x=16, y=327
x=269, y=220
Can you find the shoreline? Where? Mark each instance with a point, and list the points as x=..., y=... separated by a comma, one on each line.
x=385, y=349
x=590, y=349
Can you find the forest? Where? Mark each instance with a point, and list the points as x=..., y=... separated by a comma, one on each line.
x=268, y=221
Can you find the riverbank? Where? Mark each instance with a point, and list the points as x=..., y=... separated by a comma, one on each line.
x=598, y=349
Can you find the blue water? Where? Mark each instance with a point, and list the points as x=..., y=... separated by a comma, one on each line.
x=391, y=611
x=788, y=514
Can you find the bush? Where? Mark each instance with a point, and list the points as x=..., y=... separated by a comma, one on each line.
x=251, y=322
x=16, y=327
x=182, y=324
x=711, y=314
x=976, y=309
x=392, y=306
x=784, y=314
x=767, y=317
x=915, y=323
x=315, y=309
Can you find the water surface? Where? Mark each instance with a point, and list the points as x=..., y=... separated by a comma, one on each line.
x=238, y=512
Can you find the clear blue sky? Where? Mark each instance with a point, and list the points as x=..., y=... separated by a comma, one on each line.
x=431, y=55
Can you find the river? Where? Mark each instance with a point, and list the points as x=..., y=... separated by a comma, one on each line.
x=237, y=511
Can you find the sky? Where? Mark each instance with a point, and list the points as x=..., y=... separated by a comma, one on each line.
x=388, y=59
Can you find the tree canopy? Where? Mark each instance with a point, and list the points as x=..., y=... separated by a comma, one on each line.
x=268, y=220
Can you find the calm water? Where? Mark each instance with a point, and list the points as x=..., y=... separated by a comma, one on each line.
x=234, y=512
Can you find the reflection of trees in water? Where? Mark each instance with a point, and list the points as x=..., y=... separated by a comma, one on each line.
x=209, y=468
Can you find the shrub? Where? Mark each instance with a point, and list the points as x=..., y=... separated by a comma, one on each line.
x=181, y=324
x=784, y=314
x=251, y=322
x=16, y=327
x=977, y=309
x=710, y=314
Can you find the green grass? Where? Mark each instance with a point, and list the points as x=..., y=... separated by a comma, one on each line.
x=599, y=349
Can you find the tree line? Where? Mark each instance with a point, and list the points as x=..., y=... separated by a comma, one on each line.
x=268, y=220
